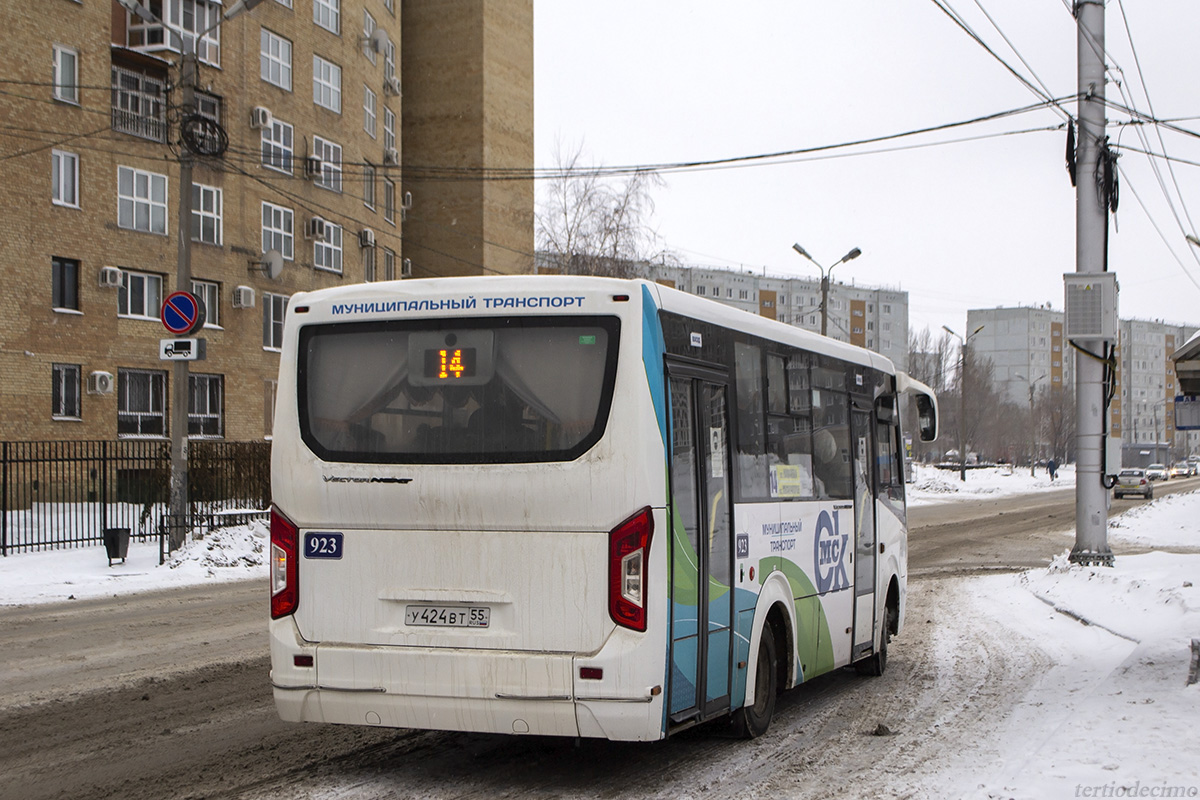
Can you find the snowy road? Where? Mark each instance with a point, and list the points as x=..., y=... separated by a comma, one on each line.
x=167, y=698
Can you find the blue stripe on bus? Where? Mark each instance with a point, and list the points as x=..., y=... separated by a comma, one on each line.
x=653, y=349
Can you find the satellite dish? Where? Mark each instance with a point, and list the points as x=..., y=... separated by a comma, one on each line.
x=379, y=40
x=273, y=264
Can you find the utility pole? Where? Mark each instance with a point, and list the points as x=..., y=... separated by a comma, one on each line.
x=180, y=378
x=1091, y=243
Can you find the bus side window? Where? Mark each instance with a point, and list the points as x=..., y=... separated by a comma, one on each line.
x=751, y=426
x=789, y=427
x=831, y=444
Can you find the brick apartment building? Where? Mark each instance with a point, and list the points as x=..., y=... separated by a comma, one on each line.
x=338, y=140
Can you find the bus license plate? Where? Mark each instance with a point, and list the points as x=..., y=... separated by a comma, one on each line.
x=448, y=616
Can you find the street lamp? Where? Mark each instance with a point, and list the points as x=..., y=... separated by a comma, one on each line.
x=183, y=269
x=825, y=273
x=962, y=398
x=1032, y=421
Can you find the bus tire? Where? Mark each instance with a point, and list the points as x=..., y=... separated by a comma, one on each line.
x=876, y=664
x=752, y=720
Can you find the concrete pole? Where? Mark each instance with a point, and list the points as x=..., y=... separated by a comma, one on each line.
x=1032, y=434
x=183, y=282
x=824, y=302
x=1091, y=229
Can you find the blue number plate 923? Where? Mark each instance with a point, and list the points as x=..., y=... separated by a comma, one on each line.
x=322, y=544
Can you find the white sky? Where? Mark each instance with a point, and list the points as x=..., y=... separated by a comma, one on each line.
x=969, y=225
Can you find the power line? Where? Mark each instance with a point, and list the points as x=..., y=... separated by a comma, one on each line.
x=1157, y=229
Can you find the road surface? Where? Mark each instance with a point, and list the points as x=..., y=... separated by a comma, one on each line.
x=165, y=695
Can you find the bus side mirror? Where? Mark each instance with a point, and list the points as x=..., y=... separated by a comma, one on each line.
x=926, y=417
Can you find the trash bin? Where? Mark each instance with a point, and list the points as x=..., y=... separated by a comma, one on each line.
x=116, y=543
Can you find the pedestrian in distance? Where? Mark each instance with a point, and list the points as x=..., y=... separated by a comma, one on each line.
x=1052, y=468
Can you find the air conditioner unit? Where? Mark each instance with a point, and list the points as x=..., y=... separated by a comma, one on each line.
x=243, y=297
x=1091, y=306
x=392, y=86
x=260, y=117
x=100, y=383
x=312, y=167
x=406, y=268
x=391, y=156
x=110, y=277
x=366, y=238
x=316, y=228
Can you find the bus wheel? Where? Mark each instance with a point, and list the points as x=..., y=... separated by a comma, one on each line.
x=753, y=720
x=876, y=664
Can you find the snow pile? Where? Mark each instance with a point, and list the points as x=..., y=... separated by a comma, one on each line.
x=1115, y=713
x=224, y=554
x=1170, y=521
x=932, y=485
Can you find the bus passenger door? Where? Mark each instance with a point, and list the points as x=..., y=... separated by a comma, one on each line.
x=864, y=534
x=701, y=553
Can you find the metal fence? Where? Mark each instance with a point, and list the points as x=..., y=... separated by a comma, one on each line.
x=66, y=494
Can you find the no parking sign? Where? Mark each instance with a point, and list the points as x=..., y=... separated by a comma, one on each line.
x=182, y=313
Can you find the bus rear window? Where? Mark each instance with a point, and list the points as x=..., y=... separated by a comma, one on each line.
x=491, y=390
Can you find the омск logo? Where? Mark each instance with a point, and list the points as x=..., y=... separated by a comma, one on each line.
x=829, y=554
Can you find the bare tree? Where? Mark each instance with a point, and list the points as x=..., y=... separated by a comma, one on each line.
x=591, y=224
x=1056, y=412
x=929, y=361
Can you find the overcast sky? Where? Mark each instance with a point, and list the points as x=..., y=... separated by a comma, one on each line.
x=972, y=224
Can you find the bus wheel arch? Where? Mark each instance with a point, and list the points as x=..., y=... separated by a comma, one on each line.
x=770, y=667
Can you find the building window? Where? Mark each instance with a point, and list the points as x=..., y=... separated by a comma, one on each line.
x=389, y=129
x=64, y=178
x=743, y=294
x=368, y=31
x=64, y=395
x=389, y=60
x=206, y=396
x=275, y=59
x=327, y=252
x=389, y=265
x=139, y=104
x=66, y=74
x=369, y=115
x=369, y=185
x=187, y=18
x=209, y=294
x=277, y=229
x=331, y=163
x=700, y=291
x=327, y=14
x=389, y=201
x=64, y=275
x=327, y=84
x=206, y=214
x=141, y=402
x=274, y=311
x=285, y=3
x=368, y=264
x=887, y=309
x=141, y=200
x=277, y=149
x=140, y=295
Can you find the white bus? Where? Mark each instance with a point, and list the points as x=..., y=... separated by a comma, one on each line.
x=575, y=506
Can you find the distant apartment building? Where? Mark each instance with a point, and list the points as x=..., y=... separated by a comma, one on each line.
x=327, y=128
x=1144, y=406
x=874, y=318
x=1026, y=344
x=1026, y=348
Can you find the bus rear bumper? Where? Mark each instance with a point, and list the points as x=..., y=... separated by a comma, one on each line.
x=487, y=691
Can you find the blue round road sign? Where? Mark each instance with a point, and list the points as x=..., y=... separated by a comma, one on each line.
x=182, y=314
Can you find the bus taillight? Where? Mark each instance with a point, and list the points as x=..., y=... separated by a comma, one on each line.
x=628, y=553
x=285, y=566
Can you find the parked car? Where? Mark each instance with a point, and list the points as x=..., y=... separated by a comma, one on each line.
x=1180, y=470
x=1157, y=472
x=1133, y=481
